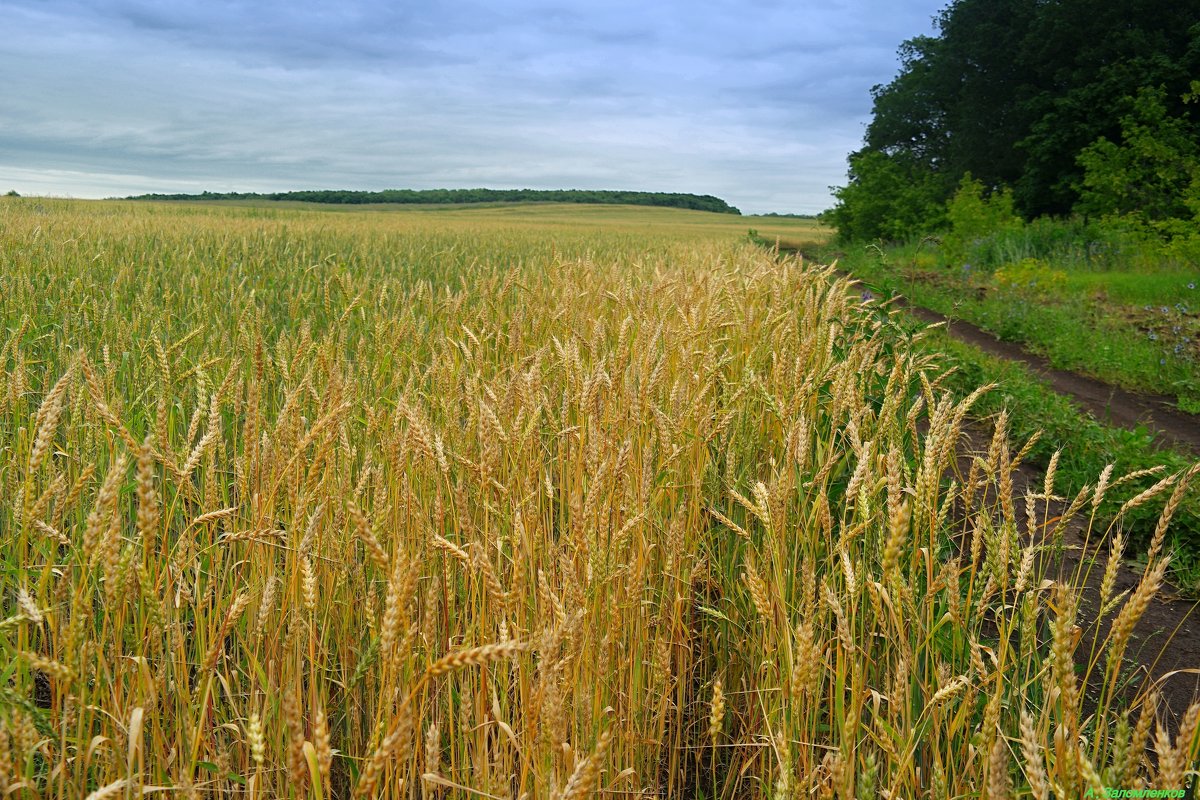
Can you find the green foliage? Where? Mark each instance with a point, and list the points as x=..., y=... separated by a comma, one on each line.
x=1030, y=276
x=1095, y=56
x=1072, y=243
x=1012, y=92
x=955, y=105
x=1150, y=175
x=974, y=216
x=12, y=193
x=1106, y=307
x=885, y=199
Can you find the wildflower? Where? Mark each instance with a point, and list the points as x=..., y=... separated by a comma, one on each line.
x=1152, y=336
x=867, y=296
x=1191, y=284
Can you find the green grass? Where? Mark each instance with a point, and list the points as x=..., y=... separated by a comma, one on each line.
x=1075, y=336
x=1140, y=288
x=1138, y=330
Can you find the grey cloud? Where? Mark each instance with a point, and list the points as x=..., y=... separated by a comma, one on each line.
x=756, y=102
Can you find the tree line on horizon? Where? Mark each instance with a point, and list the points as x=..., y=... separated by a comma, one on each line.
x=1065, y=108
x=459, y=196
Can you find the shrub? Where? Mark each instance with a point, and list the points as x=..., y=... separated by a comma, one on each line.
x=975, y=217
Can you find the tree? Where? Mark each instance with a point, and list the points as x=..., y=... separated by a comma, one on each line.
x=972, y=216
x=885, y=199
x=1146, y=176
x=1089, y=57
x=952, y=109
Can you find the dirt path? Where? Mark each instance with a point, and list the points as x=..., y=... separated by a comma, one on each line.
x=1107, y=403
x=1165, y=646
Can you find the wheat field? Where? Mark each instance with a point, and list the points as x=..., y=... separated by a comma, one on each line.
x=433, y=505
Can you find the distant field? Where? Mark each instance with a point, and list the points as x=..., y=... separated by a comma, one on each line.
x=517, y=502
x=666, y=221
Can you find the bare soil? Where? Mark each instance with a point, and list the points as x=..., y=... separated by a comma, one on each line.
x=1165, y=646
x=1111, y=404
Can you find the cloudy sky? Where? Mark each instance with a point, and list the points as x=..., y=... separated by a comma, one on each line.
x=755, y=102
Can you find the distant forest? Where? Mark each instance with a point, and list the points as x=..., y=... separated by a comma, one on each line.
x=447, y=196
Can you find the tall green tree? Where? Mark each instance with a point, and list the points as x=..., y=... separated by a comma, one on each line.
x=1148, y=173
x=1012, y=92
x=1090, y=57
x=886, y=198
x=957, y=105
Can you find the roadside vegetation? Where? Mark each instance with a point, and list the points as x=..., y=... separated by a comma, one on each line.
x=393, y=505
x=1096, y=298
x=1079, y=447
x=1034, y=169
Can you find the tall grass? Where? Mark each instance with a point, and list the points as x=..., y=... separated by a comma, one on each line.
x=369, y=506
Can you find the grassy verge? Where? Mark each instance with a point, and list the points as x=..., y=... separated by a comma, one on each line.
x=1138, y=331
x=1086, y=447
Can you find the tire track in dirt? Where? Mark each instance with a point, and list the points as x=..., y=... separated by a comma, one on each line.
x=1164, y=649
x=1110, y=404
